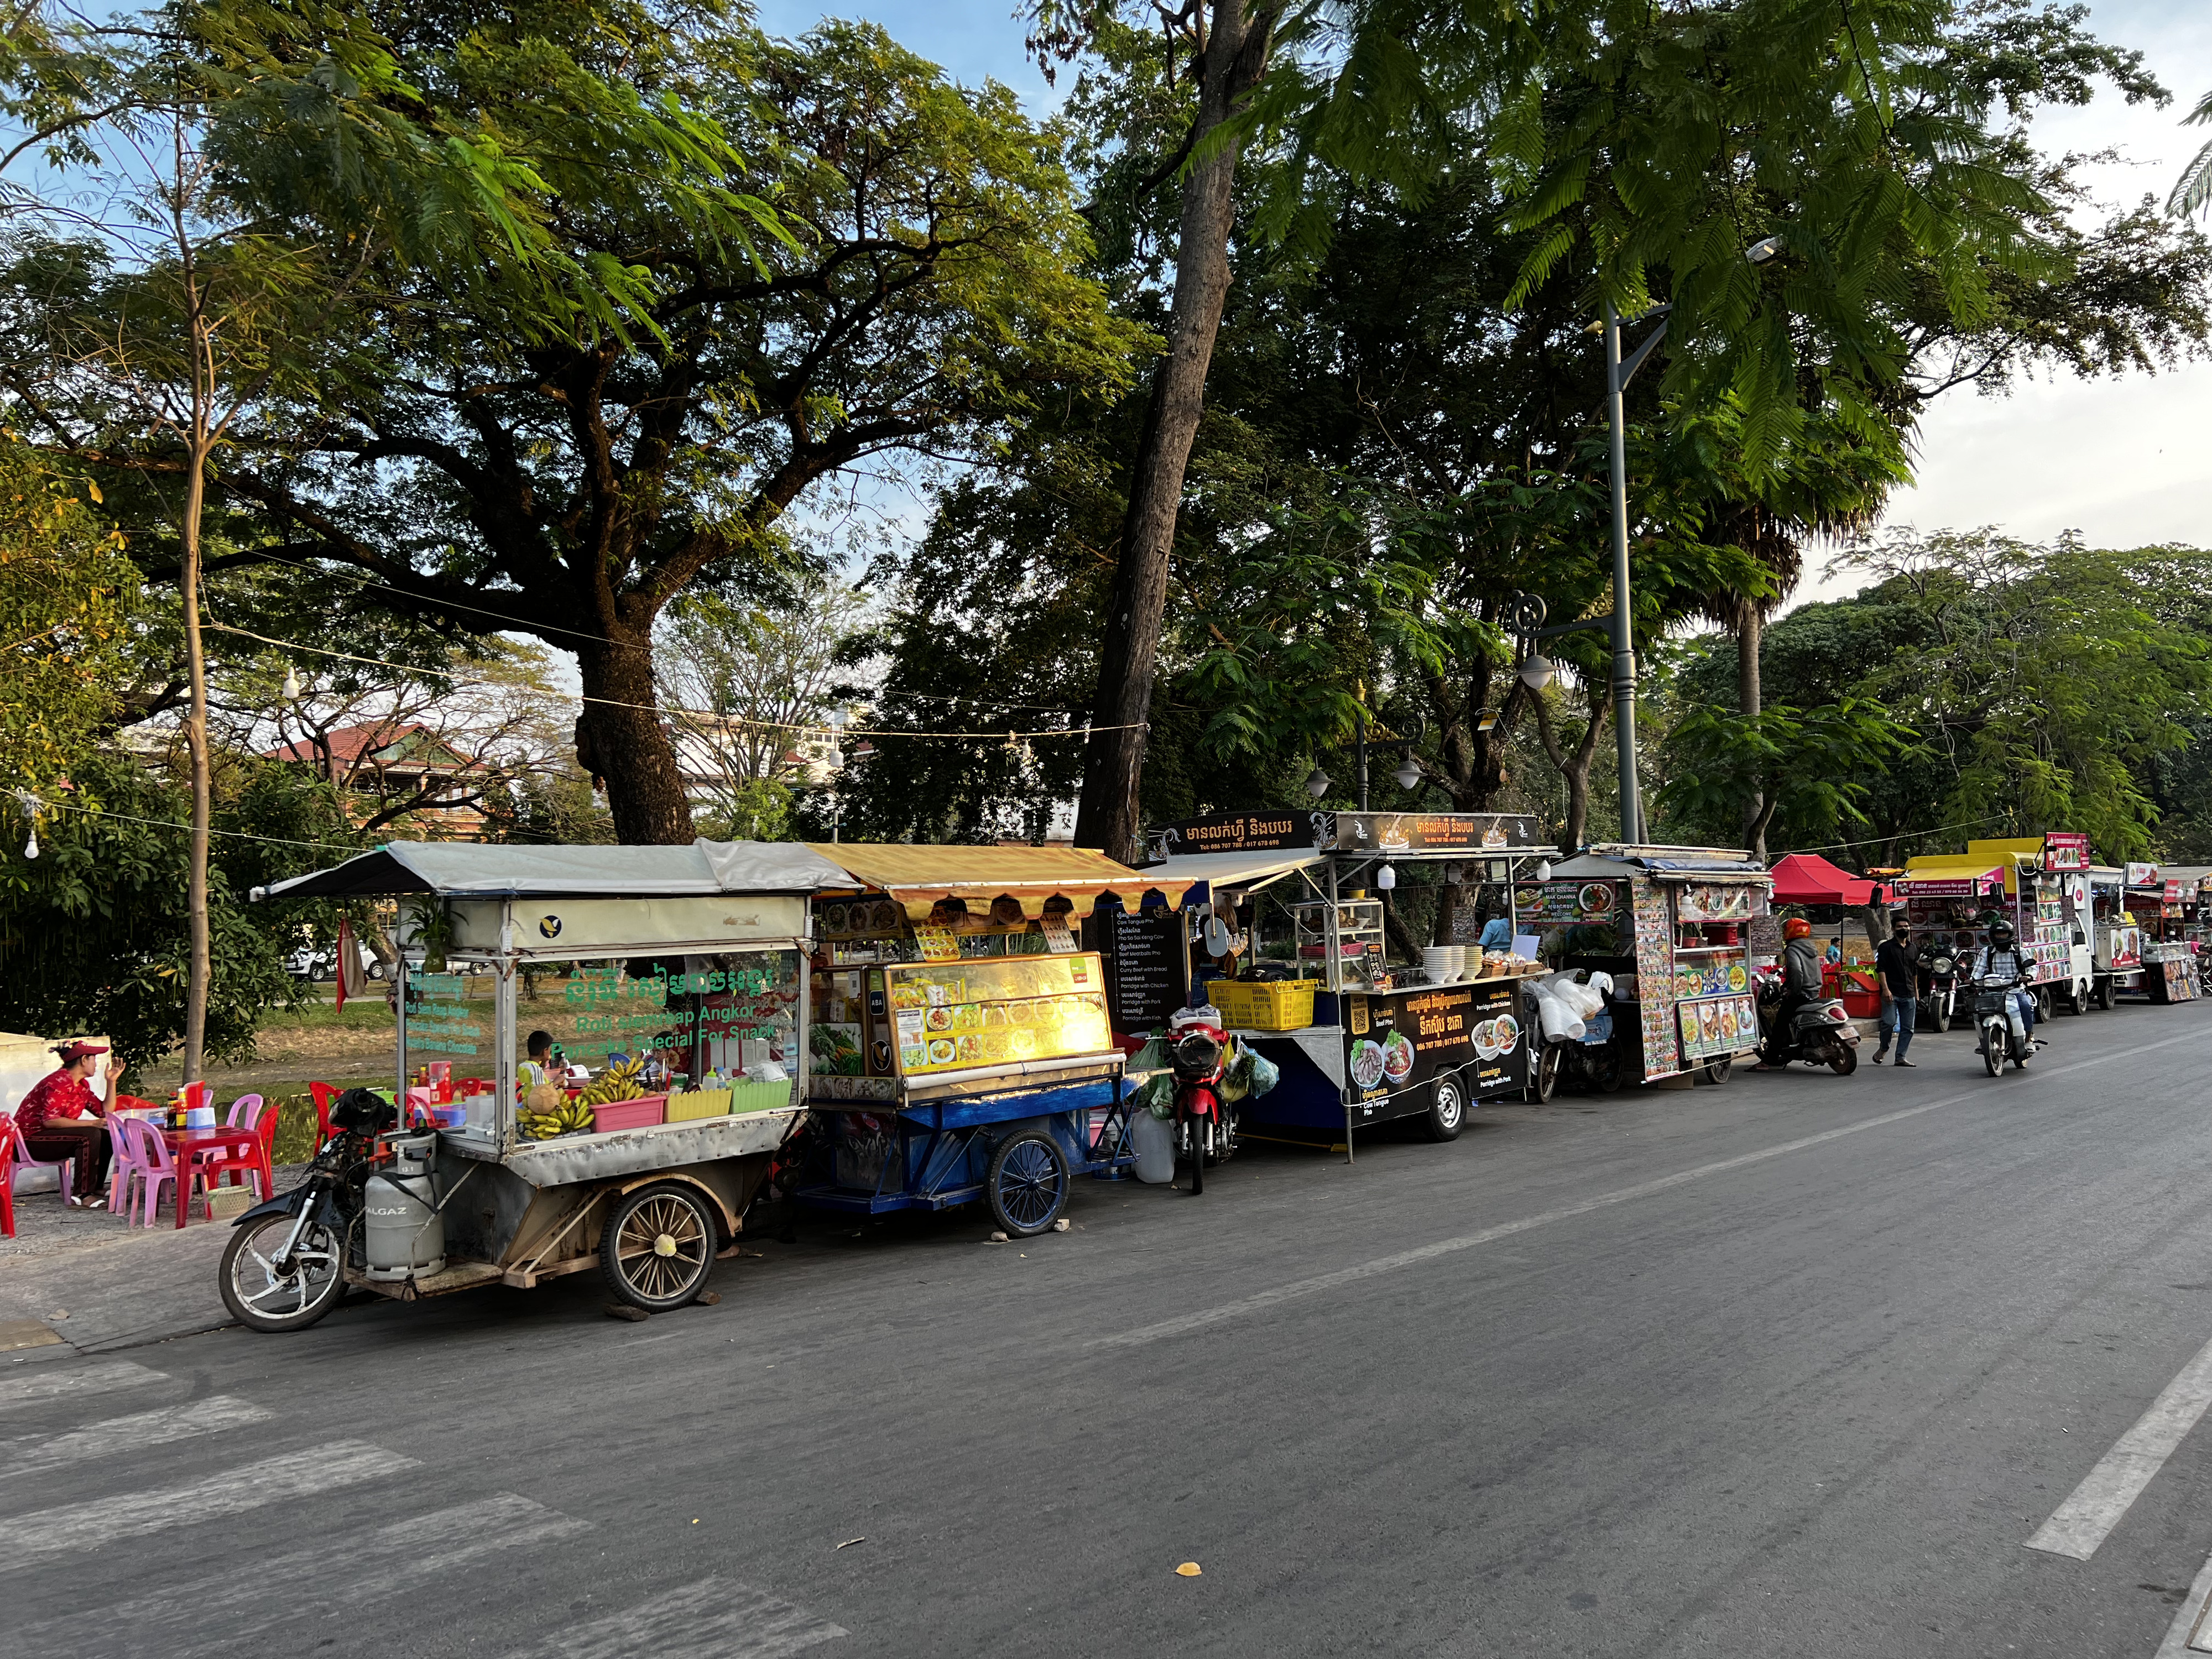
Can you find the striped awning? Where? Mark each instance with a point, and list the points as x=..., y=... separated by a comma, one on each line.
x=921, y=877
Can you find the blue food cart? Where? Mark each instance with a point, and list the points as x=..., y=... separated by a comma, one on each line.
x=959, y=1049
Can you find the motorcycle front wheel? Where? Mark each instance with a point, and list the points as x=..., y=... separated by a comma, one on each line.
x=1941, y=1020
x=1993, y=1048
x=263, y=1298
x=1197, y=1156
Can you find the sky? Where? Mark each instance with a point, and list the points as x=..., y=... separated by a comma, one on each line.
x=2127, y=463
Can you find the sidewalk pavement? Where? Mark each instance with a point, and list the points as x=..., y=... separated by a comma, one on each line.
x=84, y=1281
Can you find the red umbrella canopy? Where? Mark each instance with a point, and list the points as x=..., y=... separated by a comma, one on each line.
x=1809, y=878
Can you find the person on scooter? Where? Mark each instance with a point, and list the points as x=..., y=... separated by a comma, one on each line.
x=2003, y=962
x=1801, y=984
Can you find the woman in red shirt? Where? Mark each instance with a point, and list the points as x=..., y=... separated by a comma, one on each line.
x=66, y=1094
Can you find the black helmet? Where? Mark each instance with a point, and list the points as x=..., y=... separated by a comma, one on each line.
x=2000, y=932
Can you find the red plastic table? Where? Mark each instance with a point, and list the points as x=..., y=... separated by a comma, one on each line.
x=186, y=1145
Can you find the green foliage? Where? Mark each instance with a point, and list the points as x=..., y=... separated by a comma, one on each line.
x=1810, y=764
x=93, y=933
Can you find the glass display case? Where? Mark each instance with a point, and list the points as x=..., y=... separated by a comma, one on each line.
x=954, y=1015
x=1347, y=937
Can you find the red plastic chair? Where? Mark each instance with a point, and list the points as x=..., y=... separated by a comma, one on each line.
x=7, y=1186
x=247, y=1112
x=324, y=1093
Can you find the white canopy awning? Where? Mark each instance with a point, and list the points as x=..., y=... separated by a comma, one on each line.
x=480, y=870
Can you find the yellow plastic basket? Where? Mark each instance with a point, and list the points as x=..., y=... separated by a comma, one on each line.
x=1265, y=1004
x=698, y=1102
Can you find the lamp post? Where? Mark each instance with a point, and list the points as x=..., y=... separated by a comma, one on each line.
x=1618, y=374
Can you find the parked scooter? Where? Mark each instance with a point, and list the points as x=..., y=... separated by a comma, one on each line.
x=1820, y=1033
x=284, y=1267
x=1205, y=1125
x=2003, y=1035
x=1938, y=986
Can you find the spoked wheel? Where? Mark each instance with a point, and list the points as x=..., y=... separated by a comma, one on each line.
x=1027, y=1183
x=264, y=1293
x=1717, y=1070
x=1941, y=1018
x=1992, y=1050
x=659, y=1247
x=1544, y=1081
x=1843, y=1060
x=1606, y=1069
x=1447, y=1110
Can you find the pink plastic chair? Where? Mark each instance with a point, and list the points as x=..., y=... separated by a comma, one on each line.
x=246, y=1108
x=122, y=1172
x=14, y=1155
x=151, y=1155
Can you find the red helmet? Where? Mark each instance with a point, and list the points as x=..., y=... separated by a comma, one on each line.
x=1797, y=927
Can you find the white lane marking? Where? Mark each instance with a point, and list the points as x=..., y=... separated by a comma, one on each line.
x=2083, y=1521
x=104, y=1378
x=713, y=1618
x=2182, y=1636
x=88, y=1526
x=1262, y=1301
x=386, y=1560
x=30, y=1453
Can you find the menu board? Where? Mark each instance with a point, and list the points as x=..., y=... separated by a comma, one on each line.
x=1539, y=904
x=1403, y=1041
x=1655, y=965
x=951, y=1018
x=1717, y=1025
x=1146, y=966
x=1719, y=902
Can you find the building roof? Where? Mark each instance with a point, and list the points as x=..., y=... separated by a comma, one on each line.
x=347, y=744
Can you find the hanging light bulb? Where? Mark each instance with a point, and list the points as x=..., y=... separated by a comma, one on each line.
x=291, y=683
x=1544, y=871
x=1386, y=878
x=31, y=847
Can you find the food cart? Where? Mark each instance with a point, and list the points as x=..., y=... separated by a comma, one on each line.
x=2044, y=884
x=1673, y=928
x=2157, y=900
x=704, y=943
x=1302, y=896
x=960, y=1049
x=2115, y=939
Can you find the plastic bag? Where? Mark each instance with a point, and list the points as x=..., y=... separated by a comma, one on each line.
x=1155, y=1094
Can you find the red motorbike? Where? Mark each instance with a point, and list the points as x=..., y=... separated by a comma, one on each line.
x=1206, y=1126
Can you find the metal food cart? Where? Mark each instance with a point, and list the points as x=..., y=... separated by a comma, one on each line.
x=723, y=928
x=2160, y=906
x=2044, y=884
x=1376, y=1043
x=1672, y=926
x=961, y=1049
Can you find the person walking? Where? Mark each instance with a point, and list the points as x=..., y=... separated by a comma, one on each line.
x=1897, y=978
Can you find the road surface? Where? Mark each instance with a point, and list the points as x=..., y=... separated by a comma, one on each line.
x=1795, y=1364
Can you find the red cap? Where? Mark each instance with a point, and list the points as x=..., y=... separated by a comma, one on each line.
x=73, y=1052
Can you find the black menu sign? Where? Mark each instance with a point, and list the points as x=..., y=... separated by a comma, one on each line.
x=1146, y=966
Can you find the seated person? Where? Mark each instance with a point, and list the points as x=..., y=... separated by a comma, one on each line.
x=59, y=1096
x=538, y=1068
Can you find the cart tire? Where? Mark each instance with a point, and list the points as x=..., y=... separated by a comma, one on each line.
x=1027, y=1183
x=262, y=1299
x=2104, y=992
x=1843, y=1060
x=659, y=1247
x=1544, y=1081
x=1605, y=1070
x=1447, y=1114
x=1717, y=1070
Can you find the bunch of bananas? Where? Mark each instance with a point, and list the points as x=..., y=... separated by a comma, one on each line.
x=568, y=1118
x=622, y=1081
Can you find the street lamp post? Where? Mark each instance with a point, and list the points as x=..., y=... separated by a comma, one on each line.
x=1618, y=374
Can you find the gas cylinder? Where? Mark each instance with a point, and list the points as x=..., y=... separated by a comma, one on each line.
x=403, y=1235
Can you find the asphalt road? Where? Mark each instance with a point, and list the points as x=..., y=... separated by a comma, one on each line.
x=1796, y=1363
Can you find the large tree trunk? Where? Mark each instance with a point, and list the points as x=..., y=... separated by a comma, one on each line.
x=620, y=739
x=1575, y=769
x=1749, y=629
x=1235, y=56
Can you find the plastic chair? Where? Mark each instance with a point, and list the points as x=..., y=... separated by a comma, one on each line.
x=153, y=1155
x=246, y=1106
x=122, y=1172
x=245, y=1113
x=324, y=1093
x=14, y=1155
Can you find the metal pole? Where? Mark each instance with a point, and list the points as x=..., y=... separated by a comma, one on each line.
x=1624, y=644
x=1359, y=727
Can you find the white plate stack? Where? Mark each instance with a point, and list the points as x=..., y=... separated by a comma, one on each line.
x=1437, y=964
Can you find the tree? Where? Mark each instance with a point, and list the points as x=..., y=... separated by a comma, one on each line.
x=495, y=460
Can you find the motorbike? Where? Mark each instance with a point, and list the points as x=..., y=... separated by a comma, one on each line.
x=2003, y=1035
x=284, y=1267
x=1820, y=1033
x=1204, y=1124
x=1939, y=987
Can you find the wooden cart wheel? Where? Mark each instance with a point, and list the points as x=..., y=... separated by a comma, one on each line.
x=659, y=1247
x=1447, y=1113
x=1027, y=1183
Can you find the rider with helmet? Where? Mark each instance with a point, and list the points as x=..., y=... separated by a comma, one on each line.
x=2001, y=962
x=1801, y=984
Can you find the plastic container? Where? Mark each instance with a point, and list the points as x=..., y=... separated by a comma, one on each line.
x=643, y=1113
x=761, y=1095
x=450, y=1116
x=1153, y=1139
x=697, y=1104
x=200, y=1117
x=1265, y=1004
